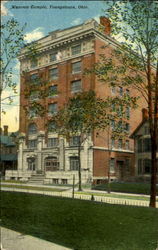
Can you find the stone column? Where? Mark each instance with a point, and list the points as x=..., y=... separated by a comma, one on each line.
x=39, y=167
x=61, y=154
x=20, y=152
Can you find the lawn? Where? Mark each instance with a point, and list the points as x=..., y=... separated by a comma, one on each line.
x=81, y=225
x=33, y=188
x=135, y=188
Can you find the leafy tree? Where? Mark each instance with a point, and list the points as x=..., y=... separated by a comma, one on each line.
x=134, y=62
x=11, y=43
x=83, y=114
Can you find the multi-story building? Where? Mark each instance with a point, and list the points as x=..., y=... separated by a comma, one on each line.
x=63, y=56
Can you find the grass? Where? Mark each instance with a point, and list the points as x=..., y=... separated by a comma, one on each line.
x=81, y=225
x=33, y=188
x=135, y=188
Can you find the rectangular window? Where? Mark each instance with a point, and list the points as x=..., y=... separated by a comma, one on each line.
x=120, y=144
x=75, y=141
x=53, y=74
x=34, y=63
x=113, y=90
x=127, y=145
x=34, y=95
x=147, y=166
x=127, y=112
x=127, y=127
x=112, y=143
x=113, y=124
x=76, y=86
x=120, y=91
x=76, y=67
x=34, y=78
x=139, y=149
x=146, y=145
x=140, y=171
x=76, y=49
x=52, y=57
x=74, y=163
x=32, y=143
x=112, y=165
x=146, y=130
x=52, y=108
x=33, y=112
x=64, y=181
x=52, y=91
x=53, y=142
x=55, y=181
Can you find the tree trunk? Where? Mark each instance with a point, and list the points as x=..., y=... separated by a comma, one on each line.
x=153, y=171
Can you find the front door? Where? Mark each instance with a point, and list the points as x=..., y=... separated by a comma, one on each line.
x=120, y=170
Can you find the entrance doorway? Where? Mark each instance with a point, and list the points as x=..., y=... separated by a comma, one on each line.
x=120, y=170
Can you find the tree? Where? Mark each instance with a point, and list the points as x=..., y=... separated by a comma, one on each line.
x=134, y=62
x=11, y=43
x=84, y=113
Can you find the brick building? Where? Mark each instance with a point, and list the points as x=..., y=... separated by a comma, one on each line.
x=63, y=57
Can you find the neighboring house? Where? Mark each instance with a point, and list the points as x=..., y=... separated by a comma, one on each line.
x=63, y=57
x=8, y=158
x=141, y=136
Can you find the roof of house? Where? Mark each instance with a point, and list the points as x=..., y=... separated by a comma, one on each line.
x=137, y=129
x=7, y=140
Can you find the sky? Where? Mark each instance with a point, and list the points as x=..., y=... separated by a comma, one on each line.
x=42, y=17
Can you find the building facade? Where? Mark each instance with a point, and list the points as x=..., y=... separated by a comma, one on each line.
x=58, y=71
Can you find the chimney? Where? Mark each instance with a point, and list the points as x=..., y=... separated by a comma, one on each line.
x=5, y=129
x=144, y=114
x=104, y=21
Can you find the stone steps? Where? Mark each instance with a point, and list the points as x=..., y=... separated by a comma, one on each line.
x=36, y=179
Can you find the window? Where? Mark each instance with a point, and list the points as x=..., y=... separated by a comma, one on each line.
x=112, y=143
x=55, y=181
x=32, y=129
x=31, y=163
x=51, y=163
x=76, y=49
x=53, y=57
x=64, y=181
x=34, y=95
x=120, y=110
x=112, y=165
x=52, y=91
x=76, y=86
x=34, y=78
x=146, y=145
x=147, y=166
x=76, y=67
x=33, y=112
x=113, y=124
x=127, y=112
x=113, y=90
x=53, y=142
x=120, y=143
x=32, y=143
x=74, y=163
x=52, y=126
x=34, y=63
x=74, y=141
x=52, y=108
x=127, y=144
x=120, y=91
x=139, y=146
x=140, y=170
x=53, y=74
x=127, y=127
x=113, y=107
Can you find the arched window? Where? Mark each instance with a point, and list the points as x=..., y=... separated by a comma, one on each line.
x=32, y=129
x=51, y=163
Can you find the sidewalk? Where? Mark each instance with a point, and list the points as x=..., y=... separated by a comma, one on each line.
x=11, y=240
